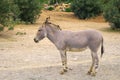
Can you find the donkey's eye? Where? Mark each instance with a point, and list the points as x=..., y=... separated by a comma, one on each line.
x=40, y=30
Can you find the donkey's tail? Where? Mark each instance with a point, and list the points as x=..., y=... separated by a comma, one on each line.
x=102, y=48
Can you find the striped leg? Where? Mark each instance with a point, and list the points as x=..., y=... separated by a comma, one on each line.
x=91, y=68
x=94, y=66
x=64, y=61
x=96, y=63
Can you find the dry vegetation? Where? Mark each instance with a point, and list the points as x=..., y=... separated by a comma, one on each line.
x=22, y=59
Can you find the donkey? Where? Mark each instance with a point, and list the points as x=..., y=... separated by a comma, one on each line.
x=72, y=41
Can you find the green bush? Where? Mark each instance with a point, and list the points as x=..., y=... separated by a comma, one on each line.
x=8, y=12
x=86, y=8
x=55, y=1
x=112, y=13
x=30, y=10
x=68, y=10
x=50, y=8
x=44, y=1
x=60, y=1
x=12, y=11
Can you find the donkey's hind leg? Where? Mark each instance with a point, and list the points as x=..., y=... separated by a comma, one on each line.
x=95, y=62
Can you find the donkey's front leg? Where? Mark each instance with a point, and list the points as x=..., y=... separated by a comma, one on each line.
x=64, y=61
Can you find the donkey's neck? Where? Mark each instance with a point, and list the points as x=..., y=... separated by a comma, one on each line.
x=52, y=34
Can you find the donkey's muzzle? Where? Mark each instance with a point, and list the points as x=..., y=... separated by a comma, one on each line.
x=36, y=41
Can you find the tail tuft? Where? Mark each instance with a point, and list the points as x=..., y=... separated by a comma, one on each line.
x=102, y=48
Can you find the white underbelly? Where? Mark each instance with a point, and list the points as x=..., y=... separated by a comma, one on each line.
x=76, y=49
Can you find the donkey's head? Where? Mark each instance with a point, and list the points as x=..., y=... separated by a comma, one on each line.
x=41, y=33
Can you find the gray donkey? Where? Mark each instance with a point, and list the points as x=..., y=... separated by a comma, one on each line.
x=72, y=41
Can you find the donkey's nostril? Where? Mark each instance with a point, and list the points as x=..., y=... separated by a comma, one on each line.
x=35, y=40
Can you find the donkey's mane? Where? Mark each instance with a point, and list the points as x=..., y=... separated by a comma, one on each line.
x=55, y=26
x=49, y=23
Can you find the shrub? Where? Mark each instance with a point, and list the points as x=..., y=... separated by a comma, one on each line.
x=50, y=8
x=54, y=1
x=8, y=12
x=44, y=1
x=59, y=1
x=112, y=13
x=11, y=11
x=68, y=10
x=30, y=10
x=86, y=8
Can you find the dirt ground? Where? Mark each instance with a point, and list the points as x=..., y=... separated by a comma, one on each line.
x=22, y=59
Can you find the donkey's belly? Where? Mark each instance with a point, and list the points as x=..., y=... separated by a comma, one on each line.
x=76, y=49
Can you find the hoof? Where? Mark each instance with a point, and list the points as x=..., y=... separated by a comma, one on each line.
x=89, y=73
x=93, y=74
x=63, y=71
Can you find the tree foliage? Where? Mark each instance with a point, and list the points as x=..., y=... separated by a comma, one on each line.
x=30, y=10
x=23, y=10
x=112, y=13
x=59, y=1
x=8, y=11
x=86, y=8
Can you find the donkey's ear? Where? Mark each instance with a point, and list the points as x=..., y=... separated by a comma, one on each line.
x=59, y=27
x=47, y=19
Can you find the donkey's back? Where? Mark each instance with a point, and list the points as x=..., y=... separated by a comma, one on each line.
x=82, y=39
